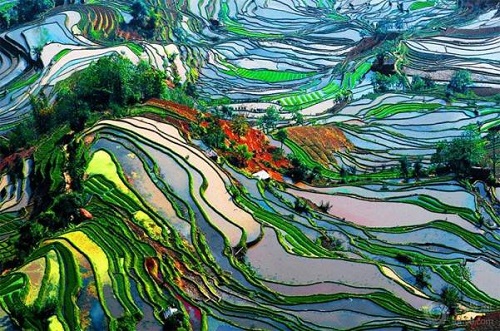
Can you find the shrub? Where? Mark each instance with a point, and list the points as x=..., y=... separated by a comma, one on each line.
x=418, y=83
x=450, y=297
x=325, y=206
x=403, y=258
x=460, y=81
x=422, y=277
x=331, y=243
x=300, y=205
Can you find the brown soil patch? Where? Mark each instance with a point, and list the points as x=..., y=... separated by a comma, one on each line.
x=320, y=141
x=88, y=139
x=9, y=160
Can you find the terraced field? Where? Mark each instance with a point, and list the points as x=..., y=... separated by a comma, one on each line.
x=171, y=236
x=164, y=224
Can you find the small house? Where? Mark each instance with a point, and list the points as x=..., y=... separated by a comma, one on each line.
x=261, y=175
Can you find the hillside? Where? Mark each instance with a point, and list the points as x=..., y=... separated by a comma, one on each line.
x=249, y=165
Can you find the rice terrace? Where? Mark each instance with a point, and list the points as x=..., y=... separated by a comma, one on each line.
x=231, y=165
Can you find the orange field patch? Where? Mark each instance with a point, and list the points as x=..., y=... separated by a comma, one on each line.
x=128, y=34
x=258, y=144
x=320, y=141
x=256, y=141
x=181, y=110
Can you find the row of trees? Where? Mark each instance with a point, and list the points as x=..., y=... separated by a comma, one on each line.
x=384, y=83
x=405, y=168
x=460, y=154
x=398, y=82
x=107, y=86
x=459, y=82
x=271, y=117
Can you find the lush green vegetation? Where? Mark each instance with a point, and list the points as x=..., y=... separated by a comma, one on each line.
x=460, y=154
x=123, y=211
x=144, y=19
x=459, y=82
x=23, y=11
x=269, y=120
x=270, y=76
x=106, y=88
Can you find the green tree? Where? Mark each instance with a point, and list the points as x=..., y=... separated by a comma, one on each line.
x=429, y=83
x=190, y=90
x=460, y=80
x=300, y=205
x=404, y=167
x=225, y=111
x=344, y=96
x=22, y=135
x=30, y=235
x=384, y=83
x=178, y=95
x=418, y=168
x=450, y=297
x=70, y=107
x=462, y=153
x=240, y=125
x=315, y=173
x=139, y=12
x=270, y=119
x=49, y=220
x=128, y=322
x=76, y=164
x=418, y=83
x=298, y=117
x=110, y=80
x=110, y=83
x=331, y=243
x=5, y=148
x=281, y=135
x=79, y=118
x=149, y=81
x=298, y=170
x=8, y=18
x=277, y=154
x=43, y=113
x=243, y=155
x=66, y=207
x=422, y=277
x=16, y=168
x=215, y=135
x=28, y=9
